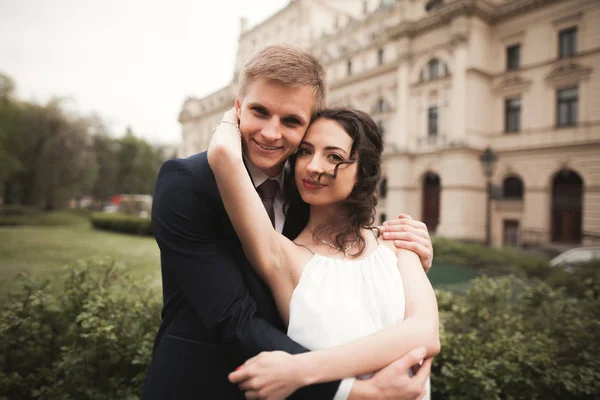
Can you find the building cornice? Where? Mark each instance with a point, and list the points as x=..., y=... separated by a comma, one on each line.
x=356, y=24
x=384, y=69
x=442, y=17
x=480, y=8
x=290, y=5
x=517, y=7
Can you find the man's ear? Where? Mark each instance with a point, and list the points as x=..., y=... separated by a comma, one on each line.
x=238, y=106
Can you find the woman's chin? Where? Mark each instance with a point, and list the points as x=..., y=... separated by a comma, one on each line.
x=307, y=197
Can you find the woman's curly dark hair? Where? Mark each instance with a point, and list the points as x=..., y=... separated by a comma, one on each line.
x=358, y=211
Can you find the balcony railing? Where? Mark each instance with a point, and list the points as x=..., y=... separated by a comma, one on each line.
x=432, y=141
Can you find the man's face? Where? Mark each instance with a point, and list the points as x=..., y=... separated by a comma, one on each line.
x=273, y=119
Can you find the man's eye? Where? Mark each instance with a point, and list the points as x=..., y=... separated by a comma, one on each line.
x=292, y=122
x=260, y=110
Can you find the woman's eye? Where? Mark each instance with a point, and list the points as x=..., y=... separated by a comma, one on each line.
x=303, y=152
x=335, y=157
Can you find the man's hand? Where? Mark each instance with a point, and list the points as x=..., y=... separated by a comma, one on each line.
x=410, y=235
x=393, y=382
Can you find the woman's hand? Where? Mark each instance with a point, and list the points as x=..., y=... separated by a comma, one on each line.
x=226, y=139
x=271, y=375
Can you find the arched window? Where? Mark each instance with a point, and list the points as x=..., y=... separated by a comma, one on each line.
x=512, y=188
x=433, y=5
x=434, y=69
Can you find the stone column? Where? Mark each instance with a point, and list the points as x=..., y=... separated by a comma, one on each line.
x=458, y=104
x=463, y=196
x=401, y=116
x=401, y=189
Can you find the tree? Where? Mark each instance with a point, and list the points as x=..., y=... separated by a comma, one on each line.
x=48, y=155
x=9, y=115
x=53, y=152
x=7, y=86
x=66, y=164
x=105, y=149
x=138, y=165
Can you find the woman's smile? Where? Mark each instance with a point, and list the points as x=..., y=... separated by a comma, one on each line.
x=312, y=184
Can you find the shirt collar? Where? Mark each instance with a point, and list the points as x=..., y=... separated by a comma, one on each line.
x=259, y=177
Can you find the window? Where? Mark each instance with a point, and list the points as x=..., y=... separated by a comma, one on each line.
x=513, y=57
x=512, y=188
x=512, y=115
x=432, y=121
x=380, y=57
x=382, y=106
x=381, y=127
x=433, y=5
x=434, y=69
x=349, y=67
x=383, y=188
x=567, y=43
x=566, y=106
x=382, y=218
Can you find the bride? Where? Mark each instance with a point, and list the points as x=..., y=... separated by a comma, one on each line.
x=357, y=303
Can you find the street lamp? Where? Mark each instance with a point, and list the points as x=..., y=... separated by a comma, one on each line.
x=488, y=160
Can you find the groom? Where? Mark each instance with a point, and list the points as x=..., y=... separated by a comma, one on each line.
x=216, y=312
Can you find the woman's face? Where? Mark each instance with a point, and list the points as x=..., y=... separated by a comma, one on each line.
x=325, y=145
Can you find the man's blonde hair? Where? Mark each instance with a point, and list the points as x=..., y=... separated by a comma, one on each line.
x=288, y=65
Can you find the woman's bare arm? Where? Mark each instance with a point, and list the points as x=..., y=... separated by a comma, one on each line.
x=265, y=248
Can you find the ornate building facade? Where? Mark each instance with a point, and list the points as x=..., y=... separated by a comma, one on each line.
x=446, y=80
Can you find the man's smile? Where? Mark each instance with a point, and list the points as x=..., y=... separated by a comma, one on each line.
x=265, y=147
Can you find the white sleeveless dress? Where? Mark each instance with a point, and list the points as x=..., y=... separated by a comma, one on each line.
x=337, y=301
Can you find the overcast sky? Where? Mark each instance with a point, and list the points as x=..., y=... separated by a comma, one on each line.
x=133, y=62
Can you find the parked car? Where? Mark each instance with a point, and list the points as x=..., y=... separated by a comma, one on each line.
x=111, y=208
x=578, y=255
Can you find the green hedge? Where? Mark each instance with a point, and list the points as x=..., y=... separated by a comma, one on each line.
x=505, y=338
x=17, y=210
x=509, y=339
x=489, y=261
x=122, y=223
x=92, y=341
x=20, y=216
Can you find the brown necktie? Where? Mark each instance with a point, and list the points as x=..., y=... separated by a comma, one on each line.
x=267, y=192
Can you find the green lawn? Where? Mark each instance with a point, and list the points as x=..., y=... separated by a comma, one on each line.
x=450, y=277
x=44, y=250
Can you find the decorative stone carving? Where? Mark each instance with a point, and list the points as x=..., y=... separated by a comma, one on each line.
x=513, y=83
x=567, y=72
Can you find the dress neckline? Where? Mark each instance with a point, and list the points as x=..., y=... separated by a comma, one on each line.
x=357, y=260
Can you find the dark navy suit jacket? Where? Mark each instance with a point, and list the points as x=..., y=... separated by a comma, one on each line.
x=217, y=313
